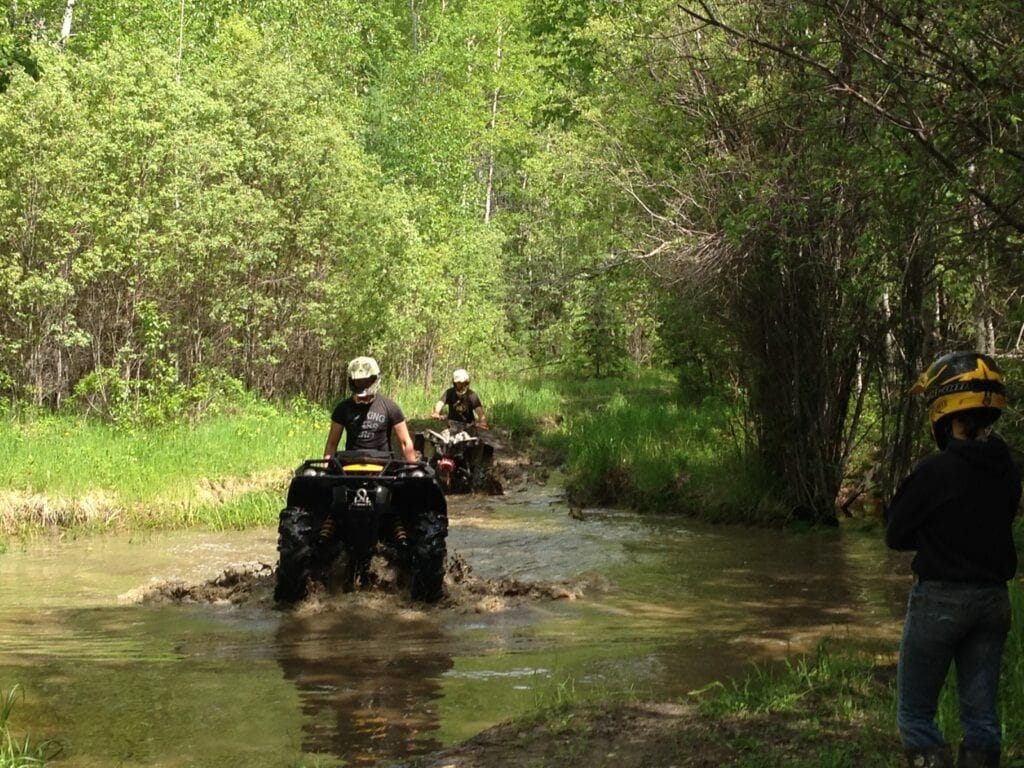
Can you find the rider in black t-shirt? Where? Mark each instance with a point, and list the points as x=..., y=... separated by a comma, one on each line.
x=463, y=403
x=368, y=419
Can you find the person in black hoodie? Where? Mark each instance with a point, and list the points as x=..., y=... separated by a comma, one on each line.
x=956, y=509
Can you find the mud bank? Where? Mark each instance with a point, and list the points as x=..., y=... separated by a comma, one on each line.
x=670, y=735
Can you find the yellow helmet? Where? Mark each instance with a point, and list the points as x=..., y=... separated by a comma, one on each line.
x=961, y=381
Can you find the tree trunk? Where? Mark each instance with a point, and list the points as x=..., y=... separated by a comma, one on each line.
x=491, y=125
x=65, y=27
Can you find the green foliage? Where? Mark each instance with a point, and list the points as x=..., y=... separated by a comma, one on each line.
x=228, y=470
x=20, y=753
x=641, y=441
x=16, y=48
x=796, y=204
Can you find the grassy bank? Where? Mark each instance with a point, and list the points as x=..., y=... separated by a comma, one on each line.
x=76, y=473
x=634, y=441
x=72, y=473
x=643, y=442
x=823, y=710
x=842, y=707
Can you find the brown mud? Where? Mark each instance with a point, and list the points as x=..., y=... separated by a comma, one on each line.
x=252, y=585
x=659, y=735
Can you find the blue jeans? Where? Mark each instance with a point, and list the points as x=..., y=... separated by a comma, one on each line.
x=952, y=622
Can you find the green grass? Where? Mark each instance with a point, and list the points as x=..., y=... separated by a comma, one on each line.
x=229, y=470
x=632, y=441
x=520, y=409
x=642, y=442
x=77, y=472
x=20, y=752
x=852, y=693
x=637, y=440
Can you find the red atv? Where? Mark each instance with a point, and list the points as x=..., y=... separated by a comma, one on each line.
x=458, y=456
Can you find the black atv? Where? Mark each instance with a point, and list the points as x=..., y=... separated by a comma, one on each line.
x=343, y=511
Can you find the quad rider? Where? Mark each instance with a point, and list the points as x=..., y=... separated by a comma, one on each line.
x=956, y=510
x=466, y=413
x=367, y=418
x=463, y=403
x=351, y=506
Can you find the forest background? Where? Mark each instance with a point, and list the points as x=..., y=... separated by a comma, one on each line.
x=793, y=206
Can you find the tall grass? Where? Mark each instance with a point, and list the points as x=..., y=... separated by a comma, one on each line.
x=226, y=471
x=20, y=753
x=521, y=409
x=633, y=441
x=643, y=442
x=75, y=471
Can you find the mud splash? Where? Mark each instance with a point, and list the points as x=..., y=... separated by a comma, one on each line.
x=252, y=585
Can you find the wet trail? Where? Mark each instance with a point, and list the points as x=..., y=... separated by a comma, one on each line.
x=165, y=649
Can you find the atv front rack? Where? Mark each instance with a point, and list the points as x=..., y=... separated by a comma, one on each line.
x=377, y=463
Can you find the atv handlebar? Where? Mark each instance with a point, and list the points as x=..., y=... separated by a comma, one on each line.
x=378, y=463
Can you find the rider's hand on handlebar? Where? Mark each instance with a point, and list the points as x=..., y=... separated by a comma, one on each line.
x=435, y=415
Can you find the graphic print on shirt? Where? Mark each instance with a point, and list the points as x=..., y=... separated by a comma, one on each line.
x=373, y=424
x=461, y=408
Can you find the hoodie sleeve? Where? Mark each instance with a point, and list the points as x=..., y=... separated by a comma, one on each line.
x=908, y=511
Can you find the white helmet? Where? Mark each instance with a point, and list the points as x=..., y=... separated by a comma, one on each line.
x=461, y=376
x=364, y=369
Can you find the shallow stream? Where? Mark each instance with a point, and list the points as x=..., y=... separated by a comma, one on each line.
x=623, y=605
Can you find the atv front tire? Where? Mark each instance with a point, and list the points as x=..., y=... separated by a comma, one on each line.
x=295, y=555
x=427, y=557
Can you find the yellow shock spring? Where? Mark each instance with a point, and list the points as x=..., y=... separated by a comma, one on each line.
x=399, y=531
x=327, y=530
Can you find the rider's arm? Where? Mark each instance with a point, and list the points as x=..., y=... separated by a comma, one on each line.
x=481, y=417
x=333, y=438
x=437, y=409
x=401, y=431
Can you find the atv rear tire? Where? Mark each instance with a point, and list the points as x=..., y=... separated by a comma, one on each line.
x=295, y=555
x=428, y=551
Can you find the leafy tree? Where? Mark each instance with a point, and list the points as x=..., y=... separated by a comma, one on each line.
x=16, y=47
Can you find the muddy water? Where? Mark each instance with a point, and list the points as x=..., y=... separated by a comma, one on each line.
x=556, y=607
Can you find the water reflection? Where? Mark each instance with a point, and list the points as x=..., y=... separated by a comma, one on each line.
x=368, y=684
x=669, y=605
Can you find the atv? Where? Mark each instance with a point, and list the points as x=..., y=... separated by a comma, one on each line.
x=345, y=510
x=458, y=456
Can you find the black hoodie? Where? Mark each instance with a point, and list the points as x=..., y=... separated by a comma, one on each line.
x=956, y=509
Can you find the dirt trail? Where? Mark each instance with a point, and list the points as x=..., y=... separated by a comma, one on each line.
x=657, y=735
